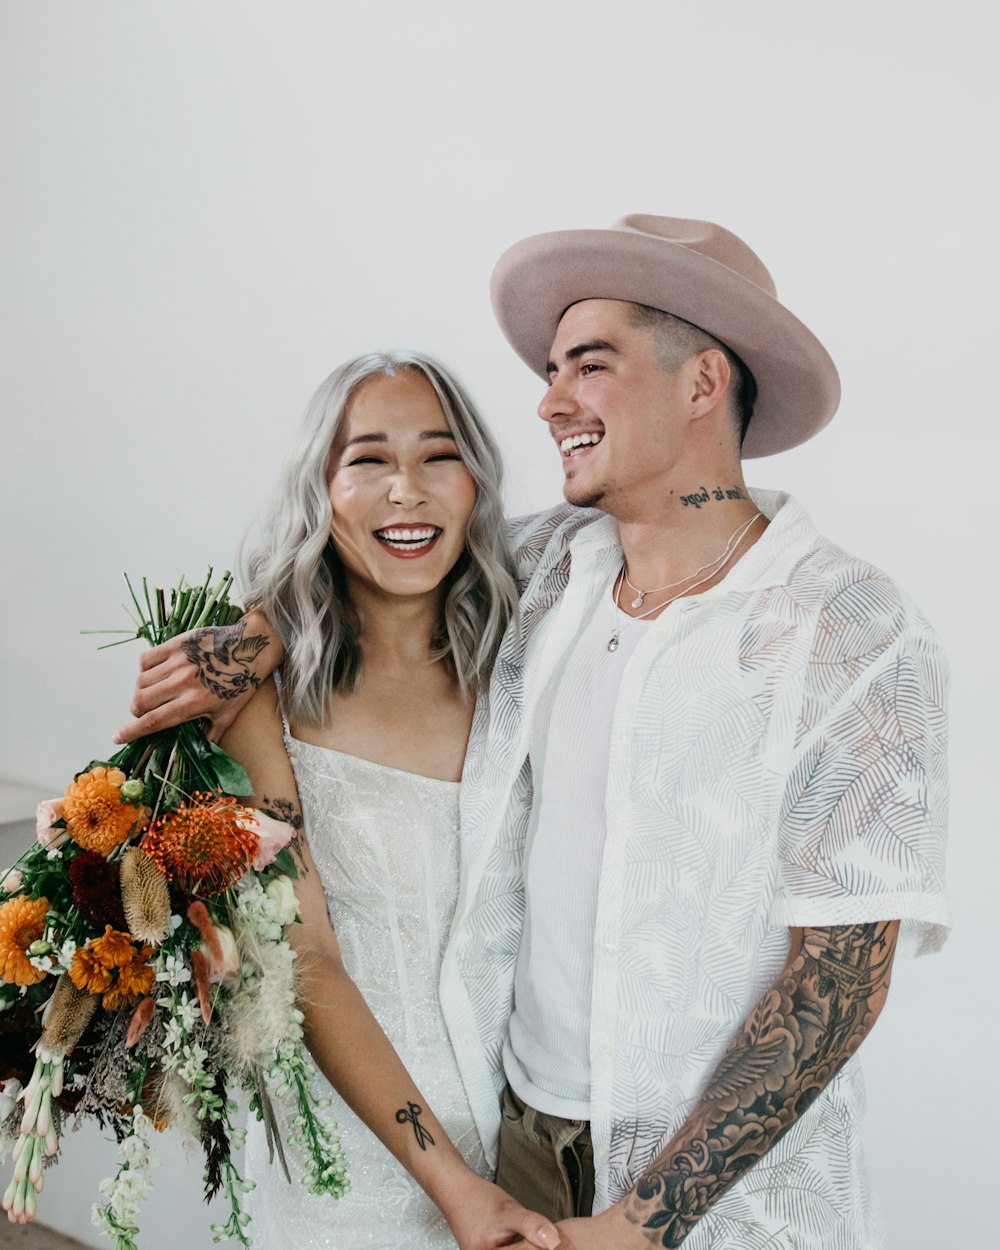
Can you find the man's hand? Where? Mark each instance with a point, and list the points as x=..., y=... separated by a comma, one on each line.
x=484, y=1218
x=209, y=673
x=607, y=1231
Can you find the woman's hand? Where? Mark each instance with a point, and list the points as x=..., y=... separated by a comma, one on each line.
x=483, y=1217
x=209, y=673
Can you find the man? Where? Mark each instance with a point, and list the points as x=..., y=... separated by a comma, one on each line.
x=709, y=806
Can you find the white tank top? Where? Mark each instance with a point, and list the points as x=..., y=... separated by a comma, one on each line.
x=547, y=1057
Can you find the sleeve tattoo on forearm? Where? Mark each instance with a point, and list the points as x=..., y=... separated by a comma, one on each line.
x=222, y=657
x=798, y=1036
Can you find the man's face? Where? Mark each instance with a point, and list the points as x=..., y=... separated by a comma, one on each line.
x=611, y=408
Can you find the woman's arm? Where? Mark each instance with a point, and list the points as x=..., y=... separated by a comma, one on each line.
x=344, y=1037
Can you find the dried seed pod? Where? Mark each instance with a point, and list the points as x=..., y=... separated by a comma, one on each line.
x=66, y=1017
x=145, y=897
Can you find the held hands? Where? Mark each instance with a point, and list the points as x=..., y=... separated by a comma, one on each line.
x=485, y=1218
x=607, y=1231
x=208, y=673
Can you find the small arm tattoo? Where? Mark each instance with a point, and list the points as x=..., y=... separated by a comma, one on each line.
x=798, y=1036
x=282, y=809
x=410, y=1114
x=222, y=656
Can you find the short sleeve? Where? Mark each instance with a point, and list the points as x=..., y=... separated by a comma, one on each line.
x=863, y=820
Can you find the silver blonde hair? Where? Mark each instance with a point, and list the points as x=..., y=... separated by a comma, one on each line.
x=294, y=572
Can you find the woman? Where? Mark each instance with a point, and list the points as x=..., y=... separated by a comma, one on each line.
x=383, y=569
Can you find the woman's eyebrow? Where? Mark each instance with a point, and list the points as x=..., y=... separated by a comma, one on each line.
x=384, y=438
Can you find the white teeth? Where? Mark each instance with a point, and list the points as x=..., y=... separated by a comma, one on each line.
x=408, y=538
x=405, y=536
x=573, y=441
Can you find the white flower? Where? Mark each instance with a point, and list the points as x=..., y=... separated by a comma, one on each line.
x=281, y=893
x=65, y=954
x=9, y=1091
x=187, y=1012
x=173, y=1034
x=133, y=1182
x=173, y=970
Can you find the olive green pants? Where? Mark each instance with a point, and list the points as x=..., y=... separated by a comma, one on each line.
x=546, y=1162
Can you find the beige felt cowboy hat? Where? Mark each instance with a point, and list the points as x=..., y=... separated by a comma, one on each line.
x=694, y=270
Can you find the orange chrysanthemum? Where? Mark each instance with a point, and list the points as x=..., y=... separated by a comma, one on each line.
x=114, y=966
x=22, y=921
x=135, y=980
x=95, y=815
x=114, y=949
x=206, y=845
x=88, y=972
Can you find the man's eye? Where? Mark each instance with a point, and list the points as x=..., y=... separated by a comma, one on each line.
x=591, y=366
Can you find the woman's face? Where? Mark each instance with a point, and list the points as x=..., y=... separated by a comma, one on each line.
x=400, y=492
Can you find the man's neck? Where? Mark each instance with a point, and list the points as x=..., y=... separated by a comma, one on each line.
x=700, y=524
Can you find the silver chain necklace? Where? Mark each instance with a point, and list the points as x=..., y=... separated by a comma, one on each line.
x=717, y=565
x=731, y=543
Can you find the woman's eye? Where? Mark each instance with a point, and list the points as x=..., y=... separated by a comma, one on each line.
x=444, y=456
x=365, y=460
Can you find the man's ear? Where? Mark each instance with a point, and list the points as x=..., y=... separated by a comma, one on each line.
x=710, y=376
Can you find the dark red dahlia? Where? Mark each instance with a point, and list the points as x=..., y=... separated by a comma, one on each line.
x=97, y=889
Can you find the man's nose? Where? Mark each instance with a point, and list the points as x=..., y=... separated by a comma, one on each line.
x=557, y=404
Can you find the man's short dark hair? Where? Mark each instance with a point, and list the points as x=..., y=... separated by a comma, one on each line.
x=678, y=340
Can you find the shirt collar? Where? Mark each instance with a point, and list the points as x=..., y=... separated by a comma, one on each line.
x=789, y=536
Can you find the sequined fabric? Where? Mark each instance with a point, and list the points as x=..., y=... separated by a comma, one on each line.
x=386, y=846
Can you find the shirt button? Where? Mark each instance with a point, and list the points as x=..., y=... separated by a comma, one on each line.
x=603, y=1156
x=607, y=1048
x=610, y=950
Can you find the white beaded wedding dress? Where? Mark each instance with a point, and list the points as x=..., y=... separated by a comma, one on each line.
x=385, y=843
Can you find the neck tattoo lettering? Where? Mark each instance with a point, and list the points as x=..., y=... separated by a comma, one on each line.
x=410, y=1115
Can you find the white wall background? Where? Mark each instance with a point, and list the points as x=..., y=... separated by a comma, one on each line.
x=207, y=206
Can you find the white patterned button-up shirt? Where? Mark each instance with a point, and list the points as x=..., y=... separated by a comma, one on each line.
x=777, y=760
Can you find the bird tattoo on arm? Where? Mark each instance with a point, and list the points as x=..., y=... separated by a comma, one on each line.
x=222, y=657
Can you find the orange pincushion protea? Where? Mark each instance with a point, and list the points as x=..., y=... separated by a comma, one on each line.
x=206, y=845
x=22, y=921
x=95, y=815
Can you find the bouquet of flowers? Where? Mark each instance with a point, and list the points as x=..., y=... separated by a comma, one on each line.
x=145, y=967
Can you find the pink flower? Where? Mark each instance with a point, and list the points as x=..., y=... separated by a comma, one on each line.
x=12, y=881
x=272, y=836
x=49, y=811
x=223, y=963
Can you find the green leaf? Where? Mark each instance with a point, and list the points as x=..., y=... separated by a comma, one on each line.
x=285, y=862
x=232, y=775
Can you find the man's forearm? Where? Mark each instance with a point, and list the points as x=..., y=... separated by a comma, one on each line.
x=799, y=1035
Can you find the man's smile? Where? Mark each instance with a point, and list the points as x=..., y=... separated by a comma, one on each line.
x=572, y=445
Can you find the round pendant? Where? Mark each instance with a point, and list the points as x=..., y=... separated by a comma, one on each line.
x=613, y=642
x=637, y=603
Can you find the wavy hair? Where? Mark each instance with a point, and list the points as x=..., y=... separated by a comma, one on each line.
x=295, y=574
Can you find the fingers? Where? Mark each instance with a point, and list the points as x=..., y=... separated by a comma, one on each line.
x=534, y=1228
x=164, y=717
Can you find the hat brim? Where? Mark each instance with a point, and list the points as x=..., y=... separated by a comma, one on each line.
x=536, y=280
